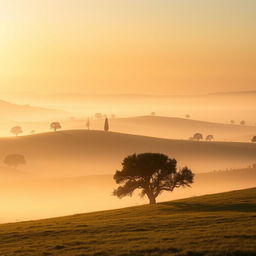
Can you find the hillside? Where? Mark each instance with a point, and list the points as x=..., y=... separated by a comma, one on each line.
x=16, y=112
x=76, y=152
x=174, y=128
x=156, y=126
x=221, y=107
x=219, y=224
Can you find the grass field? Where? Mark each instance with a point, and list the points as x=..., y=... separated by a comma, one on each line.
x=219, y=224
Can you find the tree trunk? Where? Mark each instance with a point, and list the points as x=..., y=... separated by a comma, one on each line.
x=152, y=199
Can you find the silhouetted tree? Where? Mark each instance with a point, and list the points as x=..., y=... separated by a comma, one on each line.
x=55, y=126
x=152, y=173
x=106, y=125
x=253, y=139
x=153, y=113
x=197, y=136
x=16, y=130
x=209, y=137
x=232, y=121
x=14, y=160
x=88, y=123
x=187, y=116
x=242, y=122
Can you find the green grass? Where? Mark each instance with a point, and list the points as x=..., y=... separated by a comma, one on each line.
x=219, y=224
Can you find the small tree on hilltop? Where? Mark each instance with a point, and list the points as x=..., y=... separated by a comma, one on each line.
x=106, y=125
x=187, y=116
x=242, y=122
x=14, y=160
x=197, y=136
x=152, y=173
x=16, y=130
x=209, y=137
x=253, y=139
x=55, y=126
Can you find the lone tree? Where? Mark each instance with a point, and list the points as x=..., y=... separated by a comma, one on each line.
x=106, y=125
x=187, y=116
x=14, y=160
x=16, y=130
x=253, y=139
x=152, y=173
x=209, y=137
x=55, y=126
x=198, y=136
x=242, y=122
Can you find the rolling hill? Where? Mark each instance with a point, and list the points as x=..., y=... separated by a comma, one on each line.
x=82, y=152
x=16, y=112
x=218, y=224
x=173, y=128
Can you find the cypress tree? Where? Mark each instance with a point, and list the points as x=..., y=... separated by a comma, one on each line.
x=106, y=125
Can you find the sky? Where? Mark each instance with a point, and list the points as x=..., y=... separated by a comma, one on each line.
x=127, y=46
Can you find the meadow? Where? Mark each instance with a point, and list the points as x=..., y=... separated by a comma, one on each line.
x=218, y=224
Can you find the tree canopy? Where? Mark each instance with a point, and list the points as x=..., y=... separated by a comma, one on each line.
x=55, y=126
x=209, y=137
x=197, y=136
x=16, y=130
x=14, y=160
x=152, y=173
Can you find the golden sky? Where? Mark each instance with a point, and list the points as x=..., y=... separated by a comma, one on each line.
x=127, y=46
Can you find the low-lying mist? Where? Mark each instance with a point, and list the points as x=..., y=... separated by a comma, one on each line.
x=24, y=197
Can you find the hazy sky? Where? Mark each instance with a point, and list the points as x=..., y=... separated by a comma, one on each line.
x=127, y=46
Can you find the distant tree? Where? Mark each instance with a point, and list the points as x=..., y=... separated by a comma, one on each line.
x=88, y=123
x=242, y=122
x=98, y=116
x=198, y=136
x=253, y=139
x=32, y=131
x=152, y=173
x=16, y=130
x=187, y=116
x=55, y=126
x=209, y=137
x=232, y=121
x=14, y=160
x=153, y=113
x=106, y=125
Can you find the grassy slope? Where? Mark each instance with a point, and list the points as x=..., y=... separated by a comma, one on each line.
x=219, y=224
